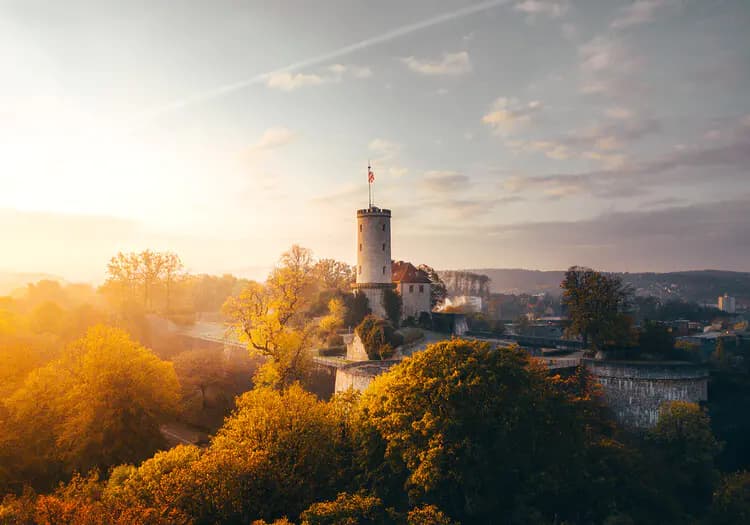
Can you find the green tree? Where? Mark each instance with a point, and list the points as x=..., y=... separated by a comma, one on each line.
x=478, y=429
x=684, y=437
x=393, y=305
x=731, y=501
x=596, y=304
x=357, y=308
x=656, y=339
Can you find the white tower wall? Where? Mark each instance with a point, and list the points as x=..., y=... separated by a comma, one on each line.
x=374, y=256
x=374, y=246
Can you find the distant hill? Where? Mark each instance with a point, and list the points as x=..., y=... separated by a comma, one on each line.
x=699, y=285
x=10, y=281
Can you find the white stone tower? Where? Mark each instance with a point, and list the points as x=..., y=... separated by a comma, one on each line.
x=374, y=256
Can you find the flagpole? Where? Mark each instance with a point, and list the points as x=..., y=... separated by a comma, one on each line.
x=369, y=184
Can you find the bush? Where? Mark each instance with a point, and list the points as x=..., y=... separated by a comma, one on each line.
x=424, y=321
x=411, y=335
x=334, y=340
x=378, y=337
x=332, y=351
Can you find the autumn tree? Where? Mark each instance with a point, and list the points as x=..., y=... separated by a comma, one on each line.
x=731, y=500
x=137, y=277
x=597, y=304
x=393, y=306
x=200, y=369
x=99, y=404
x=334, y=275
x=271, y=318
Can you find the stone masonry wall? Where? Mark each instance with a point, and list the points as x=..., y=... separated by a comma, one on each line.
x=635, y=390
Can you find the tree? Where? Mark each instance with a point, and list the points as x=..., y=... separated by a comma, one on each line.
x=357, y=308
x=378, y=337
x=656, y=339
x=99, y=405
x=134, y=275
x=335, y=318
x=272, y=319
x=200, y=369
x=731, y=501
x=438, y=290
x=684, y=437
x=171, y=270
x=478, y=429
x=347, y=509
x=334, y=275
x=393, y=306
x=596, y=304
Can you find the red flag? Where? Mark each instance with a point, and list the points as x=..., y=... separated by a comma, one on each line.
x=370, y=177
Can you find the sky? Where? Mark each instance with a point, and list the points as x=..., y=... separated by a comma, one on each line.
x=524, y=133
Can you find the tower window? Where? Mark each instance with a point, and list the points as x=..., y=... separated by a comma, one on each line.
x=360, y=246
x=383, y=246
x=383, y=270
x=411, y=288
x=421, y=288
x=360, y=227
x=383, y=226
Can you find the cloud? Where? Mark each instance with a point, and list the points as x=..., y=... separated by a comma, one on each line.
x=550, y=149
x=508, y=113
x=621, y=178
x=398, y=171
x=618, y=113
x=550, y=8
x=607, y=67
x=273, y=138
x=709, y=235
x=640, y=12
x=450, y=64
x=288, y=81
x=444, y=181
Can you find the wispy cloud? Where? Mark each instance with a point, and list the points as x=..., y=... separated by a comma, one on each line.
x=509, y=113
x=444, y=181
x=449, y=64
x=640, y=12
x=550, y=8
x=286, y=81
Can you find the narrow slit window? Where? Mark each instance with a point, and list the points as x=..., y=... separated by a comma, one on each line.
x=421, y=288
x=383, y=246
x=383, y=226
x=411, y=288
x=383, y=270
x=360, y=246
x=360, y=227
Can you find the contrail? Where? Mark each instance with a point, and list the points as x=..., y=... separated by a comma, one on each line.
x=220, y=91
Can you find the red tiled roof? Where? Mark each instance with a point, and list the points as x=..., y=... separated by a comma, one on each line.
x=405, y=272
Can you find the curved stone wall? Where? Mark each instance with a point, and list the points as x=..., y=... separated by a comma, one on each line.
x=635, y=390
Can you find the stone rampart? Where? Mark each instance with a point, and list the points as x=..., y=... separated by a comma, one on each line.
x=635, y=390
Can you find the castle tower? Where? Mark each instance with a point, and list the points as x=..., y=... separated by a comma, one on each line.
x=374, y=256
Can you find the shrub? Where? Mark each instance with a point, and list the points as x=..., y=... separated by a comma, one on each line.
x=334, y=340
x=424, y=321
x=411, y=335
x=332, y=351
x=378, y=337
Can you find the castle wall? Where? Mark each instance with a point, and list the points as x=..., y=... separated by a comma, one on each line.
x=359, y=375
x=415, y=298
x=635, y=390
x=355, y=350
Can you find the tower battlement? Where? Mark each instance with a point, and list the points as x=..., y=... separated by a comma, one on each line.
x=374, y=212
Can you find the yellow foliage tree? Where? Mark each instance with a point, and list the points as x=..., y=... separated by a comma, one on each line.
x=272, y=318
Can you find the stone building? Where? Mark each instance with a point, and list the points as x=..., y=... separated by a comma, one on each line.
x=376, y=272
x=414, y=287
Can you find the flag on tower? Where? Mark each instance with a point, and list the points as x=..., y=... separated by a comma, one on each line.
x=370, y=176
